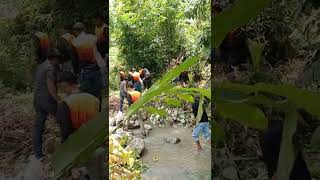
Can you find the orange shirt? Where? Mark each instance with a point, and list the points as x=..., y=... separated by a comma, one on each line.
x=84, y=45
x=83, y=107
x=135, y=95
x=136, y=76
x=44, y=42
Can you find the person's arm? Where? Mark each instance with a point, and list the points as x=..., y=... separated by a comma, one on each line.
x=74, y=59
x=125, y=88
x=51, y=79
x=141, y=83
x=64, y=121
x=98, y=57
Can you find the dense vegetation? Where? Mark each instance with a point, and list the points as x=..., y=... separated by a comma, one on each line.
x=17, y=56
x=153, y=34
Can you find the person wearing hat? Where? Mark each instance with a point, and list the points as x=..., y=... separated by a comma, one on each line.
x=89, y=61
x=45, y=96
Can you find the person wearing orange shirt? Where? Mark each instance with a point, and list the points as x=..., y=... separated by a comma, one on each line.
x=134, y=95
x=89, y=61
x=77, y=108
x=42, y=46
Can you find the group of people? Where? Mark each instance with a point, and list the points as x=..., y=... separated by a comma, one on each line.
x=76, y=66
x=132, y=84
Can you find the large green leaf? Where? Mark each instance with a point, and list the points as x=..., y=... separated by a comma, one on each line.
x=243, y=113
x=154, y=110
x=159, y=87
x=200, y=109
x=80, y=145
x=173, y=102
x=302, y=98
x=187, y=97
x=256, y=50
x=237, y=15
x=204, y=92
x=287, y=150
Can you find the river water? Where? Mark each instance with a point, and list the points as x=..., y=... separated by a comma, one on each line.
x=175, y=161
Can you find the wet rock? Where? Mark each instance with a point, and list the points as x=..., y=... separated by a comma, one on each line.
x=137, y=145
x=136, y=124
x=230, y=173
x=147, y=127
x=112, y=122
x=172, y=140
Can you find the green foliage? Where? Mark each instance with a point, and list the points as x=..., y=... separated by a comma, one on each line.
x=154, y=110
x=159, y=87
x=245, y=114
x=17, y=54
x=80, y=145
x=237, y=15
x=287, y=151
x=187, y=97
x=256, y=50
x=153, y=34
x=173, y=102
x=147, y=32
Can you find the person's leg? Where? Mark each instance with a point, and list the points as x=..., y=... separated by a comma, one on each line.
x=206, y=131
x=121, y=102
x=140, y=118
x=195, y=136
x=38, y=130
x=129, y=100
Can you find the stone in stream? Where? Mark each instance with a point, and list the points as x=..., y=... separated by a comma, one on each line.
x=137, y=145
x=147, y=127
x=172, y=140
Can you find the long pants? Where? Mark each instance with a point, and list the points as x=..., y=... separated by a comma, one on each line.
x=122, y=97
x=201, y=127
x=43, y=109
x=91, y=82
x=147, y=83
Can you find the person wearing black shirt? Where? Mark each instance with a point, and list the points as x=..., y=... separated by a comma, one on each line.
x=202, y=126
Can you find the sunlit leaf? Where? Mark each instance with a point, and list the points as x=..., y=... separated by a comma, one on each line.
x=187, y=97
x=154, y=110
x=173, y=102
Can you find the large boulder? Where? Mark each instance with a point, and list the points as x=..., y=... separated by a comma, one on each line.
x=136, y=145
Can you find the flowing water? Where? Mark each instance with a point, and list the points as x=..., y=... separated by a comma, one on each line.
x=175, y=161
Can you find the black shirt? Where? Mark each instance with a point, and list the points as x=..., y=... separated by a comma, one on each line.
x=195, y=107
